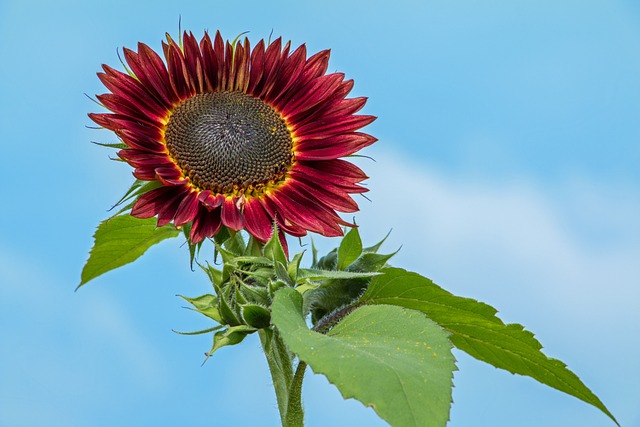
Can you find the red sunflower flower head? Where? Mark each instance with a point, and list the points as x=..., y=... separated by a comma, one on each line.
x=237, y=137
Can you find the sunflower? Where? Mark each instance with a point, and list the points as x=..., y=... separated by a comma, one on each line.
x=237, y=137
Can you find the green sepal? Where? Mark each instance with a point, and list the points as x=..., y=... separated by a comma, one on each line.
x=350, y=249
x=203, y=331
x=215, y=275
x=254, y=247
x=314, y=255
x=228, y=256
x=375, y=247
x=255, y=294
x=231, y=336
x=258, y=260
x=260, y=275
x=194, y=250
x=206, y=304
x=313, y=274
x=329, y=261
x=235, y=243
x=137, y=189
x=256, y=315
x=294, y=266
x=282, y=273
x=116, y=145
x=275, y=286
x=222, y=235
x=273, y=248
x=229, y=316
x=370, y=261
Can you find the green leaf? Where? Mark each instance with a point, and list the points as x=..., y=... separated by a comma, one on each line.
x=350, y=249
x=121, y=240
x=392, y=359
x=476, y=329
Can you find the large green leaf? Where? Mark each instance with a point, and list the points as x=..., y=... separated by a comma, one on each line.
x=392, y=359
x=476, y=329
x=120, y=240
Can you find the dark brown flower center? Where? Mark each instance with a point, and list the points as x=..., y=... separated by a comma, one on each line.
x=229, y=141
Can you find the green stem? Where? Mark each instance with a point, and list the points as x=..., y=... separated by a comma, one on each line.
x=295, y=414
x=279, y=366
x=288, y=387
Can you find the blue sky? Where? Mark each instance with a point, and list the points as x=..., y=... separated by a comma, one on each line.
x=507, y=168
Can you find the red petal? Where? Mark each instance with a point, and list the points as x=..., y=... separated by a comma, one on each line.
x=241, y=66
x=188, y=209
x=121, y=105
x=294, y=211
x=333, y=196
x=153, y=73
x=228, y=76
x=206, y=224
x=257, y=221
x=346, y=171
x=272, y=60
x=322, y=178
x=333, y=147
x=170, y=175
x=167, y=211
x=323, y=213
x=305, y=97
x=124, y=85
x=178, y=72
x=193, y=61
x=321, y=129
x=230, y=214
x=209, y=63
x=218, y=48
x=151, y=202
x=138, y=140
x=291, y=69
x=138, y=158
x=257, y=67
x=211, y=201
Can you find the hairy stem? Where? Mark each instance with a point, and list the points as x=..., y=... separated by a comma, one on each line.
x=288, y=387
x=295, y=414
